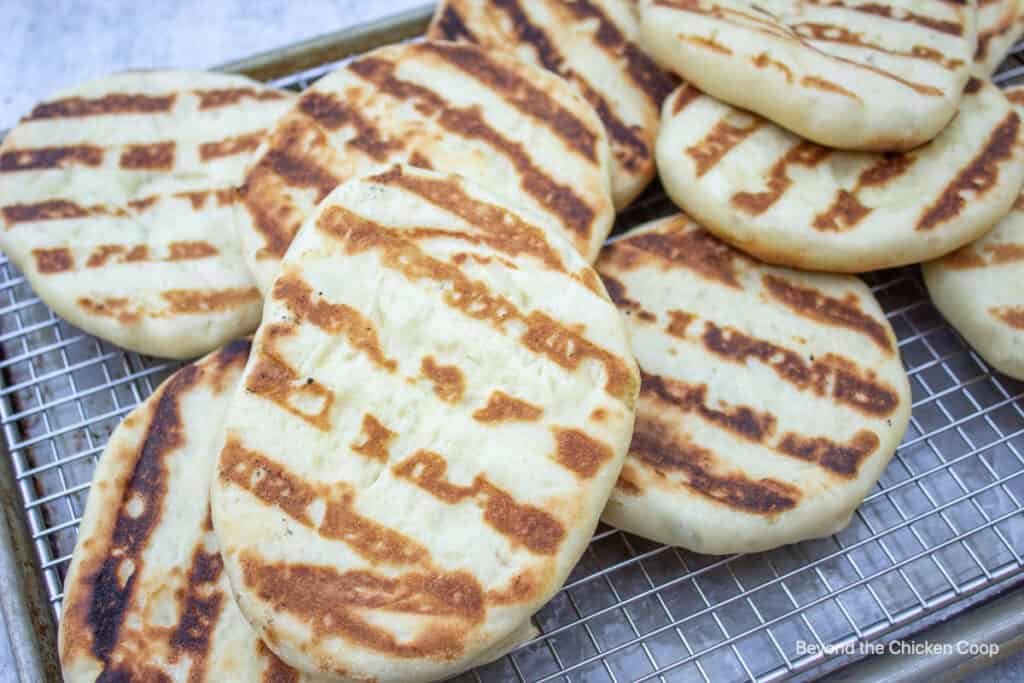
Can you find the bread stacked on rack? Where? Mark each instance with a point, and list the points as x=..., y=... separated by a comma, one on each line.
x=442, y=395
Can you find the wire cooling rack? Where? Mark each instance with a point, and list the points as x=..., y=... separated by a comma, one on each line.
x=944, y=523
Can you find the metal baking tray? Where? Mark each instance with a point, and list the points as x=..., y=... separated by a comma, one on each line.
x=937, y=544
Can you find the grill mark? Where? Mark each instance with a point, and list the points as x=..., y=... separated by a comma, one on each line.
x=847, y=211
x=842, y=459
x=617, y=293
x=470, y=124
x=49, y=210
x=276, y=671
x=888, y=167
x=193, y=301
x=330, y=602
x=707, y=44
x=117, y=103
x=333, y=319
x=763, y=60
x=177, y=251
x=224, y=197
x=1011, y=315
x=521, y=523
x=977, y=178
x=504, y=408
x=743, y=421
x=684, y=96
x=580, y=453
x=627, y=483
x=200, y=611
x=223, y=97
x=278, y=382
x=655, y=446
x=293, y=495
x=719, y=142
x=451, y=26
x=158, y=156
x=520, y=93
x=333, y=114
x=502, y=229
x=679, y=322
x=806, y=154
x=825, y=85
x=49, y=261
x=543, y=335
x=811, y=303
x=964, y=258
x=239, y=144
x=860, y=392
x=832, y=33
x=1005, y=253
x=694, y=249
x=886, y=11
x=756, y=427
x=50, y=157
x=109, y=599
x=120, y=308
x=449, y=384
x=377, y=439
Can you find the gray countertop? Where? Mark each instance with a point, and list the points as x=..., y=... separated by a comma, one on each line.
x=49, y=45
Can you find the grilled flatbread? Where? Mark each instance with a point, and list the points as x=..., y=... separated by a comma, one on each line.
x=795, y=203
x=771, y=399
x=146, y=597
x=509, y=126
x=592, y=45
x=438, y=404
x=980, y=290
x=1000, y=25
x=848, y=74
x=116, y=203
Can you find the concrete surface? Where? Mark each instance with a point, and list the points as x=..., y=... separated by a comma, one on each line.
x=49, y=45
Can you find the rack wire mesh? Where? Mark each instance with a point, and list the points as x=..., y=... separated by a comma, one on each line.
x=944, y=523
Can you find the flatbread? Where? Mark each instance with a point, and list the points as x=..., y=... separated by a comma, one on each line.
x=116, y=203
x=438, y=405
x=794, y=203
x=591, y=44
x=509, y=126
x=850, y=74
x=1000, y=25
x=772, y=399
x=980, y=290
x=146, y=597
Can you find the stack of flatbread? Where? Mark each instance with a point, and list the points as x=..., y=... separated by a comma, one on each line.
x=441, y=395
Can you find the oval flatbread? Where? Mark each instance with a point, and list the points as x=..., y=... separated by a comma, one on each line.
x=116, y=203
x=437, y=407
x=1000, y=25
x=794, y=203
x=848, y=74
x=592, y=45
x=771, y=399
x=146, y=597
x=980, y=290
x=509, y=126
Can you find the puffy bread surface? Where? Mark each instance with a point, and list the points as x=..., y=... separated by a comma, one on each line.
x=771, y=399
x=146, y=597
x=980, y=290
x=511, y=127
x=437, y=406
x=792, y=202
x=591, y=44
x=1000, y=25
x=116, y=203
x=848, y=74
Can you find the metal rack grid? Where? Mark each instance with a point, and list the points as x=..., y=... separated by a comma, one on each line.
x=945, y=522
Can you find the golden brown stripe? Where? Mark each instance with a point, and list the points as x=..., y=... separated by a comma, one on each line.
x=718, y=142
x=544, y=335
x=504, y=408
x=49, y=210
x=331, y=113
x=451, y=26
x=449, y=384
x=55, y=260
x=158, y=156
x=117, y=103
x=276, y=381
x=582, y=454
x=186, y=301
x=1011, y=315
x=977, y=178
x=222, y=97
x=804, y=153
x=50, y=157
x=832, y=33
x=239, y=144
x=201, y=605
x=376, y=440
x=686, y=94
x=521, y=523
x=469, y=123
x=843, y=459
x=811, y=303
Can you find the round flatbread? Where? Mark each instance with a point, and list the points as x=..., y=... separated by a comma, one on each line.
x=771, y=399
x=794, y=203
x=438, y=404
x=1000, y=25
x=842, y=73
x=146, y=597
x=980, y=290
x=116, y=203
x=509, y=126
x=592, y=45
